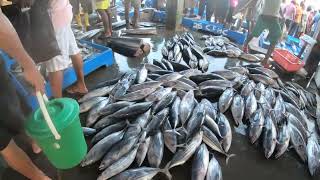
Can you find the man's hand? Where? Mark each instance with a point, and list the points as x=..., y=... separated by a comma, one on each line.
x=32, y=75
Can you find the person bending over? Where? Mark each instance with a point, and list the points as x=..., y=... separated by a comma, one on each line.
x=269, y=19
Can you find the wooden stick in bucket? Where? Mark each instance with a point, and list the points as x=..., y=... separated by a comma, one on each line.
x=46, y=115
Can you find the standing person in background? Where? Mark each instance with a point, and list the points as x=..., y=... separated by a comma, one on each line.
x=269, y=19
x=103, y=8
x=304, y=20
x=233, y=5
x=297, y=21
x=207, y=5
x=189, y=4
x=61, y=16
x=315, y=22
x=136, y=5
x=86, y=8
x=202, y=6
x=12, y=119
x=250, y=11
x=283, y=7
x=311, y=14
x=290, y=14
x=221, y=9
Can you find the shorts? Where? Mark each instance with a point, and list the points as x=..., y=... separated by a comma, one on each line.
x=86, y=6
x=68, y=46
x=103, y=4
x=134, y=3
x=11, y=116
x=272, y=24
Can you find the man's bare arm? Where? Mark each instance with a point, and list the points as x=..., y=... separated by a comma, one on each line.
x=11, y=44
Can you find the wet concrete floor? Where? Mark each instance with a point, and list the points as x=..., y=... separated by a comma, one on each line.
x=248, y=164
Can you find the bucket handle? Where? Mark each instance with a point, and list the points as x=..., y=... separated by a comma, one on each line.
x=42, y=99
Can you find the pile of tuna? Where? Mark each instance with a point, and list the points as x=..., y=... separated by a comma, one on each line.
x=140, y=114
x=220, y=46
x=182, y=51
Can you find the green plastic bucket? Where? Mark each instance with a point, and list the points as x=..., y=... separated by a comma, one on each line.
x=70, y=149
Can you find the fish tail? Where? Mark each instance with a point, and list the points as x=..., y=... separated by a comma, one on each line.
x=228, y=156
x=166, y=171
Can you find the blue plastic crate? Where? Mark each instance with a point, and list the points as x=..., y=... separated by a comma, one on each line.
x=235, y=36
x=105, y=58
x=202, y=25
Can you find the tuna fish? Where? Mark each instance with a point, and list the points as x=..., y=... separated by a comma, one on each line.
x=225, y=131
x=94, y=113
x=200, y=163
x=90, y=103
x=122, y=164
x=269, y=137
x=155, y=151
x=114, y=107
x=225, y=100
x=256, y=125
x=186, y=107
x=174, y=113
x=130, y=111
x=214, y=170
x=137, y=95
x=237, y=109
x=97, y=93
x=185, y=154
x=298, y=143
x=100, y=149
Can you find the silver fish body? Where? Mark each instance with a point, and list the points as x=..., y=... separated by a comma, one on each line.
x=99, y=149
x=94, y=113
x=200, y=163
x=214, y=170
x=185, y=154
x=122, y=164
x=90, y=103
x=237, y=109
x=186, y=106
x=97, y=93
x=225, y=100
x=269, y=137
x=256, y=125
x=155, y=151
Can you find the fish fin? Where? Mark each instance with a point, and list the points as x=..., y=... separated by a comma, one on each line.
x=180, y=145
x=166, y=171
x=173, y=130
x=183, y=129
x=228, y=156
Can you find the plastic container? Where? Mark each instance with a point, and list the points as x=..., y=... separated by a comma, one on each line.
x=287, y=60
x=67, y=148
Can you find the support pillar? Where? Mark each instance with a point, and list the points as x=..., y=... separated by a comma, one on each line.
x=174, y=14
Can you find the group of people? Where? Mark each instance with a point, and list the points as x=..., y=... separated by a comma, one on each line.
x=299, y=19
x=104, y=11
x=222, y=10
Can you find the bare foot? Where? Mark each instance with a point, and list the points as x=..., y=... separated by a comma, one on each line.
x=35, y=148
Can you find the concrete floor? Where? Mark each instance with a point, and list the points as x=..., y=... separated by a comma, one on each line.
x=249, y=163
